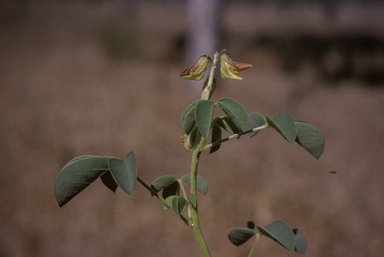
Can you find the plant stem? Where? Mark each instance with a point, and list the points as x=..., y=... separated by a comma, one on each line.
x=211, y=74
x=235, y=136
x=161, y=199
x=258, y=235
x=182, y=189
x=193, y=213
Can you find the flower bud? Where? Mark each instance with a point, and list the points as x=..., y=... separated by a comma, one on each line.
x=230, y=69
x=189, y=141
x=205, y=91
x=197, y=70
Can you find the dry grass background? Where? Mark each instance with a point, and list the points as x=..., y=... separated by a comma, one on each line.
x=63, y=95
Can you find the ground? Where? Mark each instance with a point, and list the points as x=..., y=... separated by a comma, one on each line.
x=103, y=79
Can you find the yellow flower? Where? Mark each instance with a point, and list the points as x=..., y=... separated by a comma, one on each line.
x=230, y=69
x=197, y=70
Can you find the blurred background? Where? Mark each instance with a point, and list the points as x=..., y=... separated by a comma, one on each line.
x=102, y=78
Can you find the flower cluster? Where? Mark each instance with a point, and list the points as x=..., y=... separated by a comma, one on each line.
x=229, y=69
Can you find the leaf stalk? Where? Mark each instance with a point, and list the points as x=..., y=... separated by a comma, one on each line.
x=235, y=136
x=258, y=236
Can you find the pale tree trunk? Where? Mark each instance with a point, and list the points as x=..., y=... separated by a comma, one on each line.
x=203, y=28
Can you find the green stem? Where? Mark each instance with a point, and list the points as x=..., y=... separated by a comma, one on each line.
x=162, y=199
x=258, y=235
x=182, y=189
x=235, y=136
x=193, y=213
x=211, y=74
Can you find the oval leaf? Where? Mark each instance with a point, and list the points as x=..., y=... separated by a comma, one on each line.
x=216, y=136
x=310, y=138
x=124, y=172
x=280, y=232
x=192, y=200
x=188, y=117
x=172, y=189
x=227, y=124
x=203, y=115
x=250, y=225
x=201, y=183
x=178, y=204
x=169, y=200
x=109, y=181
x=255, y=120
x=235, y=111
x=239, y=236
x=77, y=174
x=300, y=241
x=162, y=182
x=130, y=160
x=285, y=125
x=194, y=137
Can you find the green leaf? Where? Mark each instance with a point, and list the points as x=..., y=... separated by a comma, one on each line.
x=192, y=200
x=228, y=125
x=109, y=181
x=188, y=117
x=300, y=241
x=255, y=120
x=201, y=183
x=280, y=232
x=204, y=113
x=169, y=200
x=125, y=172
x=194, y=137
x=216, y=136
x=172, y=189
x=285, y=125
x=235, y=111
x=177, y=203
x=162, y=182
x=77, y=174
x=310, y=138
x=239, y=236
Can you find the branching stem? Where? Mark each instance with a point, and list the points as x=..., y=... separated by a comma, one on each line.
x=161, y=199
x=193, y=214
x=235, y=136
x=193, y=211
x=258, y=236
